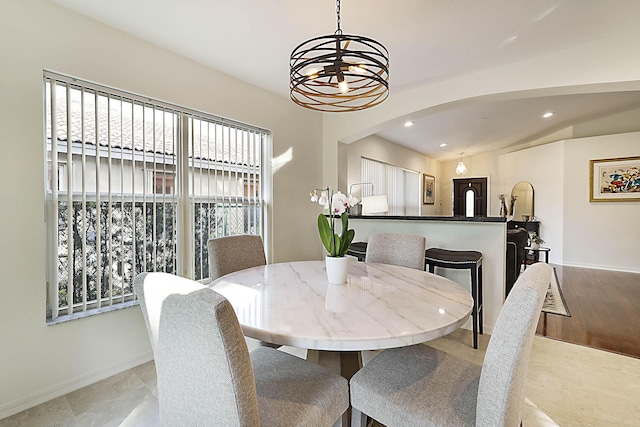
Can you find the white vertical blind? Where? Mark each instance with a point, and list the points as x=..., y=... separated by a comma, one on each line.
x=401, y=186
x=138, y=185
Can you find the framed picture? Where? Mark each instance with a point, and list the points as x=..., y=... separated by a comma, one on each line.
x=615, y=180
x=428, y=189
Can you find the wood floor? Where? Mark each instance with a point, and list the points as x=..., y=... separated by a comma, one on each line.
x=605, y=310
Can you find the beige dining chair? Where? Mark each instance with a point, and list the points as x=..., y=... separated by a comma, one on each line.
x=232, y=253
x=406, y=250
x=206, y=375
x=422, y=386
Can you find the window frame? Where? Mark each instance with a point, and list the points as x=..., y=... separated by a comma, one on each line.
x=182, y=195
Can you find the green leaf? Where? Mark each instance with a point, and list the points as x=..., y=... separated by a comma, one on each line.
x=345, y=224
x=325, y=232
x=346, y=242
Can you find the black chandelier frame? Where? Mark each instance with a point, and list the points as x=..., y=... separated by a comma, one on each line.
x=339, y=72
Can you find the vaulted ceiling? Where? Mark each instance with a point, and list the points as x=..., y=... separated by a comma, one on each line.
x=428, y=41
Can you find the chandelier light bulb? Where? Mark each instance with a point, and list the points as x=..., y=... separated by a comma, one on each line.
x=344, y=86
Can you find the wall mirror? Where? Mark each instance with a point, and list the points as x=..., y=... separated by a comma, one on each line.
x=524, y=203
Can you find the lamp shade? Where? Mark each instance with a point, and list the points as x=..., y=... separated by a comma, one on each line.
x=375, y=204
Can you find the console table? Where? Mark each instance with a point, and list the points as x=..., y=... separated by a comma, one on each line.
x=538, y=251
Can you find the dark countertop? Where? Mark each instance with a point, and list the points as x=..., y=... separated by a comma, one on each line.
x=433, y=218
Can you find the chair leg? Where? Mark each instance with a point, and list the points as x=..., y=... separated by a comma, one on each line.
x=474, y=312
x=480, y=299
x=358, y=419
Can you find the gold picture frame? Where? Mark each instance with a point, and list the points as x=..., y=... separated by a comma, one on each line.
x=428, y=189
x=614, y=180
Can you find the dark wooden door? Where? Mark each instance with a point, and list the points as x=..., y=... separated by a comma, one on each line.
x=478, y=186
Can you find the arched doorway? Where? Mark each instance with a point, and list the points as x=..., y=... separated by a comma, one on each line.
x=470, y=197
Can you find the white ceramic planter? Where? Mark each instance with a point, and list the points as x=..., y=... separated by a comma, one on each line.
x=337, y=269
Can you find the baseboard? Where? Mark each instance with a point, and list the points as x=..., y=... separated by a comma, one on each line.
x=68, y=386
x=600, y=267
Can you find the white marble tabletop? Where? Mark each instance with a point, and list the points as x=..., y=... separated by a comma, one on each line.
x=380, y=306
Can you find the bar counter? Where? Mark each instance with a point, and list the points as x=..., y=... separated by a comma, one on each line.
x=483, y=234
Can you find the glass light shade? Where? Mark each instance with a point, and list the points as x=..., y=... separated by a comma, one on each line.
x=461, y=169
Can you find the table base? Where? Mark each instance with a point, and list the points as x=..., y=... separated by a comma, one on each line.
x=345, y=363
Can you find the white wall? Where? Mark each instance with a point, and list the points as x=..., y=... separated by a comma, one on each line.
x=599, y=234
x=38, y=362
x=542, y=166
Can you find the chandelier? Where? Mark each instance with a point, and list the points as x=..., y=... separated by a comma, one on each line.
x=461, y=169
x=339, y=72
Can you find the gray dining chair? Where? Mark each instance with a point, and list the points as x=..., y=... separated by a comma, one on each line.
x=232, y=253
x=206, y=375
x=406, y=250
x=421, y=386
x=229, y=254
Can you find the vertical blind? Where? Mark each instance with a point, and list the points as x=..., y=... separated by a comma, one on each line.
x=138, y=185
x=401, y=186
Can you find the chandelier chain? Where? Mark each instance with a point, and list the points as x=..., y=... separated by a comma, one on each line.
x=339, y=30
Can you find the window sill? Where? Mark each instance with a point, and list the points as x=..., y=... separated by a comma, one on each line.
x=82, y=314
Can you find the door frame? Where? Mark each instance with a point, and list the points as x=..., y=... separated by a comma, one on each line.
x=467, y=179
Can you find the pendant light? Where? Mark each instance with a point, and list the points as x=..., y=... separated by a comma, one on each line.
x=339, y=72
x=461, y=169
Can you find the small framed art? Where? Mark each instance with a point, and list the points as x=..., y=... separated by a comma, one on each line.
x=428, y=189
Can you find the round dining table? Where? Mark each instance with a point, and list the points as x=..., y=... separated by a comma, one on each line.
x=380, y=306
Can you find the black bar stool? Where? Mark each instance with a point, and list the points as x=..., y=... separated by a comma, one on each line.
x=471, y=260
x=358, y=250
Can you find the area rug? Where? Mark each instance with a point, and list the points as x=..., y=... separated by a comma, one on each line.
x=554, y=302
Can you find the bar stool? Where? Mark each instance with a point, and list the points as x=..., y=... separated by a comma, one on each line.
x=358, y=250
x=471, y=260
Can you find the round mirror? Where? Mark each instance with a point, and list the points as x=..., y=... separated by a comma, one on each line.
x=521, y=208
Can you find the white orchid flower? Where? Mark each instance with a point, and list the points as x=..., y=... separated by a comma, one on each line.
x=353, y=200
x=324, y=199
x=339, y=204
x=314, y=196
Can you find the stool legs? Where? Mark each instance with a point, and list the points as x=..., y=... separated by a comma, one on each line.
x=476, y=293
x=480, y=299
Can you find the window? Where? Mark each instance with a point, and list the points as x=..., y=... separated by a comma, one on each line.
x=401, y=186
x=141, y=186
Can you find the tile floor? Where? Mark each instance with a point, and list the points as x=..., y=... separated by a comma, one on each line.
x=567, y=385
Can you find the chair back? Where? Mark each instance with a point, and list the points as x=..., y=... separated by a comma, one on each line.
x=232, y=253
x=204, y=371
x=504, y=370
x=406, y=250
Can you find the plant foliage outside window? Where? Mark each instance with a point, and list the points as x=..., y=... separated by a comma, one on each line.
x=141, y=185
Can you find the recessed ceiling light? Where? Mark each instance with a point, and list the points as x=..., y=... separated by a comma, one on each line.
x=547, y=115
x=444, y=144
x=407, y=124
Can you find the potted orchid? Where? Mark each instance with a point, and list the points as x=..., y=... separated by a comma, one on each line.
x=336, y=245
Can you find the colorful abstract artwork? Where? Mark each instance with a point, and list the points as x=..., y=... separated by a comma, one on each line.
x=615, y=180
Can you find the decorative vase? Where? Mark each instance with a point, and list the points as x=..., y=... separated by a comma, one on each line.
x=503, y=209
x=535, y=245
x=337, y=269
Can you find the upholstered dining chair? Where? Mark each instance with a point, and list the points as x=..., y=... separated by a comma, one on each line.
x=206, y=375
x=422, y=386
x=406, y=250
x=232, y=253
x=229, y=254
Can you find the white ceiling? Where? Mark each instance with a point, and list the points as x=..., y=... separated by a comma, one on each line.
x=428, y=40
